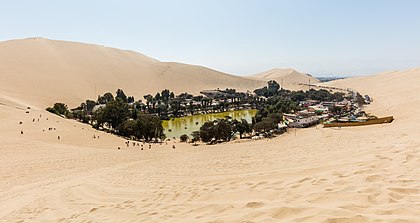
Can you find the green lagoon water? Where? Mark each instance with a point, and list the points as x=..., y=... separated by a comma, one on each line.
x=189, y=124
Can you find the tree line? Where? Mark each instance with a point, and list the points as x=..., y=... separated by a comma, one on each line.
x=125, y=116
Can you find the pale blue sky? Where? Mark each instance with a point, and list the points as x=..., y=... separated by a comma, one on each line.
x=321, y=37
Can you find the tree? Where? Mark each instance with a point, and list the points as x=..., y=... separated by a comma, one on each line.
x=161, y=109
x=298, y=96
x=98, y=118
x=158, y=97
x=115, y=112
x=195, y=136
x=59, y=109
x=105, y=99
x=90, y=105
x=221, y=129
x=128, y=128
x=206, y=131
x=151, y=127
x=261, y=91
x=271, y=89
x=147, y=127
x=166, y=94
x=121, y=95
x=175, y=105
x=184, y=138
x=81, y=115
x=242, y=127
x=130, y=99
x=266, y=124
x=149, y=99
x=273, y=86
x=275, y=117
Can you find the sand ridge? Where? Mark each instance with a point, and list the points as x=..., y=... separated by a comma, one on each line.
x=290, y=78
x=71, y=72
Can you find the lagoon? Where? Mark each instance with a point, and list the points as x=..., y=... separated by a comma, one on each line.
x=188, y=124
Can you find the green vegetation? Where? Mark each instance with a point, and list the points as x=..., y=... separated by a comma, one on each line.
x=124, y=116
x=145, y=127
x=279, y=101
x=59, y=109
x=115, y=115
x=184, y=138
x=222, y=130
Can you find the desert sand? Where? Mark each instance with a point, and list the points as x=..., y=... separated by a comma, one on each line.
x=290, y=78
x=80, y=71
x=356, y=174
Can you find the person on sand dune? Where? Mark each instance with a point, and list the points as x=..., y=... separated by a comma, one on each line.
x=58, y=137
x=21, y=132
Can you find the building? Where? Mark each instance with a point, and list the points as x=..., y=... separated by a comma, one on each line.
x=302, y=122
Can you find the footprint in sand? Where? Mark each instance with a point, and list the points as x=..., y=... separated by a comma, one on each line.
x=254, y=204
x=93, y=210
x=374, y=178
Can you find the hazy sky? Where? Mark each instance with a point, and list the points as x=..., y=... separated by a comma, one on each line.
x=321, y=37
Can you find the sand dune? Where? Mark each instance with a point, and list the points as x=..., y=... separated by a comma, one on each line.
x=357, y=174
x=72, y=72
x=289, y=77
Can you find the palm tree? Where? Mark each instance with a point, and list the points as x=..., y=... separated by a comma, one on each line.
x=148, y=98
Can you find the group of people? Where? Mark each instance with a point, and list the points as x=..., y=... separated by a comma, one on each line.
x=127, y=143
x=33, y=120
x=96, y=136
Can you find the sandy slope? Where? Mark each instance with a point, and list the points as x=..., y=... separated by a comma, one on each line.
x=289, y=77
x=69, y=72
x=362, y=174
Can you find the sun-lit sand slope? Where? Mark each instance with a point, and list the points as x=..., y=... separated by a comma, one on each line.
x=289, y=77
x=70, y=72
x=360, y=174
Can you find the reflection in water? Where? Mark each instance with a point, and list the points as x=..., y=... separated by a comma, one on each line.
x=189, y=124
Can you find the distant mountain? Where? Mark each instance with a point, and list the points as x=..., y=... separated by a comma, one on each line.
x=289, y=77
